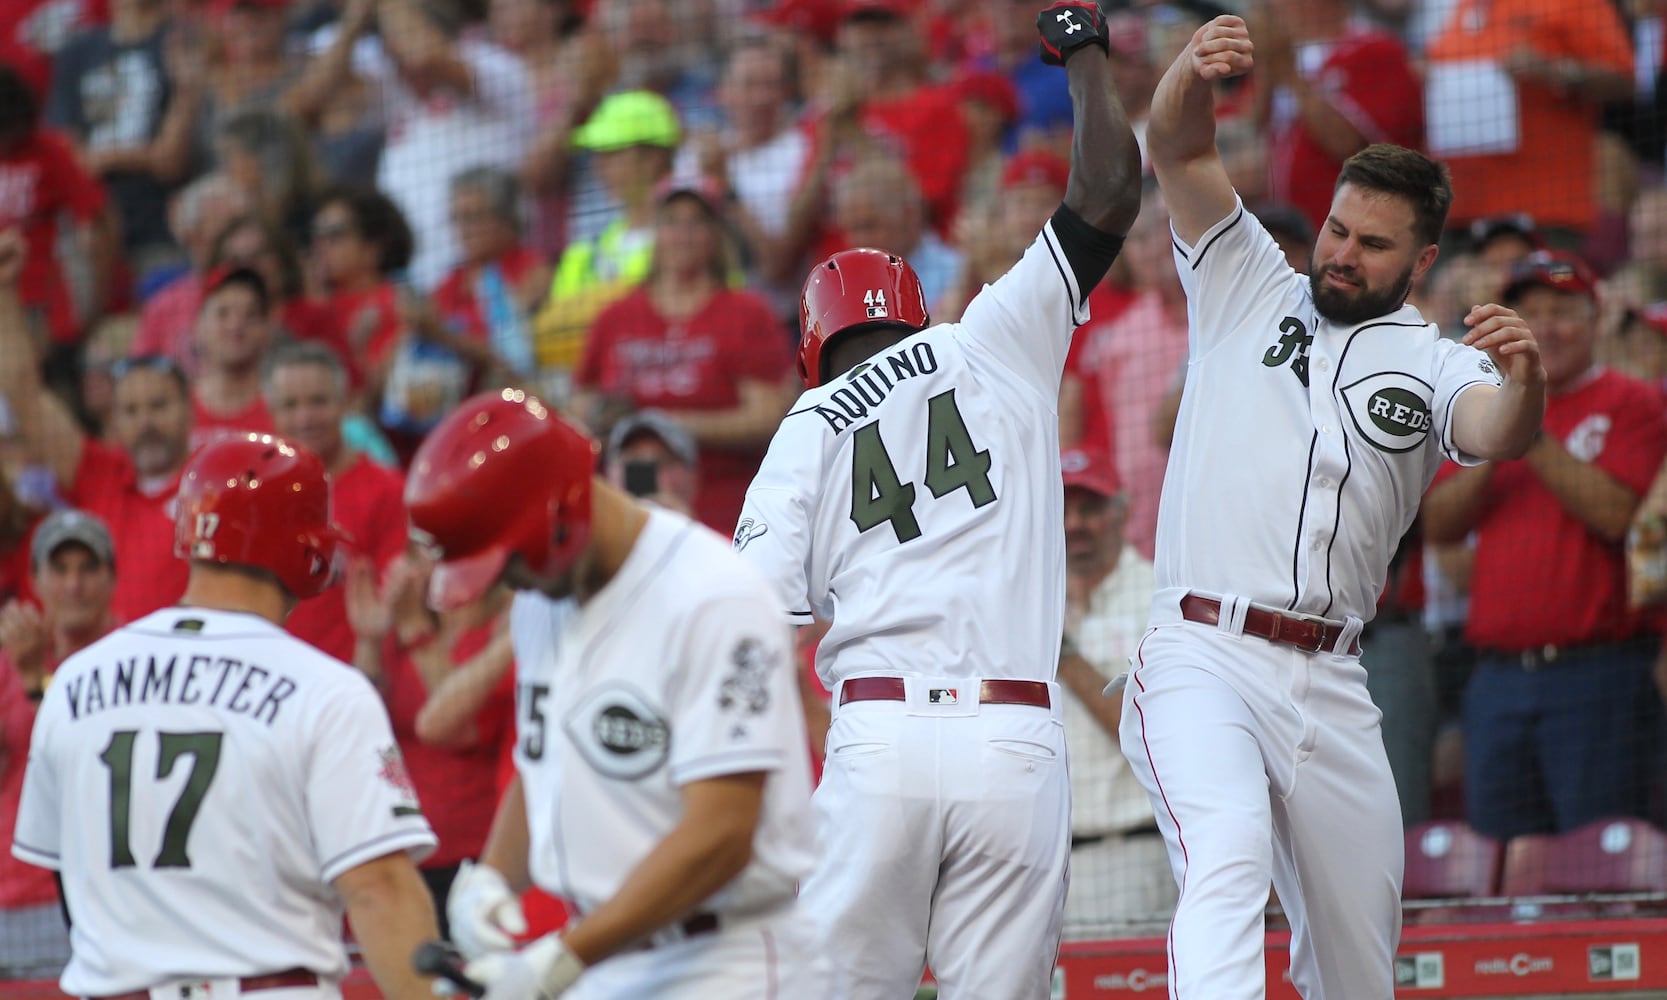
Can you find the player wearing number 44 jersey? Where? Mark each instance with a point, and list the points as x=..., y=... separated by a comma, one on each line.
x=212, y=789
x=912, y=498
x=1316, y=410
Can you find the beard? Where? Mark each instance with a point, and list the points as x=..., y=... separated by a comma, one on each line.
x=1347, y=308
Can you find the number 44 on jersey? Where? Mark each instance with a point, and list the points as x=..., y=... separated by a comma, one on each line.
x=879, y=495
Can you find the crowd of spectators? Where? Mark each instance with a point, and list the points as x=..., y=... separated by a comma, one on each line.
x=334, y=219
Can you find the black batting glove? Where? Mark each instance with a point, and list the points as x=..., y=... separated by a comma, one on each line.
x=1069, y=25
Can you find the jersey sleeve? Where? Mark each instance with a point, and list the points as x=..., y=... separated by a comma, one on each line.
x=1458, y=368
x=38, y=835
x=1026, y=318
x=1235, y=266
x=775, y=531
x=735, y=694
x=360, y=801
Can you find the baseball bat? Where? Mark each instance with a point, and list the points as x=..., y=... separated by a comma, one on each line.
x=441, y=959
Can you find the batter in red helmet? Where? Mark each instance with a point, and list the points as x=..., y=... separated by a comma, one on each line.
x=661, y=781
x=214, y=791
x=912, y=498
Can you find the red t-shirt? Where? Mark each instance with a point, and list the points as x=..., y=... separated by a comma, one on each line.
x=1541, y=577
x=304, y=319
x=148, y=575
x=457, y=786
x=1105, y=303
x=16, y=572
x=455, y=300
x=207, y=426
x=1368, y=78
x=635, y=353
x=926, y=130
x=20, y=884
x=382, y=302
x=39, y=182
x=366, y=501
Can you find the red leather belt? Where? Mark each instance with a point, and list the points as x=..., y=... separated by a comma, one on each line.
x=248, y=984
x=1032, y=693
x=1307, y=634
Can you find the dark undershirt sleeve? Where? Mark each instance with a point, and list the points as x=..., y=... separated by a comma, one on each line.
x=1087, y=250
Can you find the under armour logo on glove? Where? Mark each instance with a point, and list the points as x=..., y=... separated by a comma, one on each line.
x=1073, y=24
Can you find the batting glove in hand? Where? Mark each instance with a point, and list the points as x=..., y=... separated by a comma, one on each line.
x=1069, y=25
x=542, y=970
x=485, y=916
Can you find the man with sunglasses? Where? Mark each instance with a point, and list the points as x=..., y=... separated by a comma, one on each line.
x=130, y=480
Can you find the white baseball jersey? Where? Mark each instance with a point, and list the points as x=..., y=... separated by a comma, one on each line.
x=199, y=778
x=915, y=501
x=1302, y=447
x=679, y=670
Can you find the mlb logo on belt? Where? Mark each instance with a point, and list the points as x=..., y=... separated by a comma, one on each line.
x=942, y=696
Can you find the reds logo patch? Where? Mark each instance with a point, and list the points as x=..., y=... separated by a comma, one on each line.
x=1391, y=410
x=393, y=771
x=747, y=686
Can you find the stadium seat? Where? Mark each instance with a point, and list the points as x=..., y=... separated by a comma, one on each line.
x=1447, y=860
x=1609, y=856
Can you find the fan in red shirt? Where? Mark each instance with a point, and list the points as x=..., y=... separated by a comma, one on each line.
x=41, y=181
x=485, y=303
x=234, y=334
x=453, y=758
x=359, y=241
x=714, y=358
x=251, y=241
x=74, y=574
x=306, y=388
x=1330, y=86
x=897, y=107
x=129, y=485
x=1554, y=734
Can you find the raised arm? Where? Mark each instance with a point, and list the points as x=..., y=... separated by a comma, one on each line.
x=50, y=436
x=1181, y=134
x=1104, y=185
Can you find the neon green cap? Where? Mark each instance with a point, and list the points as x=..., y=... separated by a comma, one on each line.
x=631, y=118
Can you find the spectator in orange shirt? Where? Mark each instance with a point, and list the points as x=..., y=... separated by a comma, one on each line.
x=1565, y=59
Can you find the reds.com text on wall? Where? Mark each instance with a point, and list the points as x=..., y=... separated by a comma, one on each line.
x=1596, y=957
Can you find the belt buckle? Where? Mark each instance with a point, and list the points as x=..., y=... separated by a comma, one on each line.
x=1280, y=618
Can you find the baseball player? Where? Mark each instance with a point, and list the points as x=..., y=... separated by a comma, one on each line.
x=662, y=784
x=213, y=790
x=892, y=500
x=1317, y=409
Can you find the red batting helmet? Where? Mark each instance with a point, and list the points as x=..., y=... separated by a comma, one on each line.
x=854, y=288
x=502, y=475
x=259, y=501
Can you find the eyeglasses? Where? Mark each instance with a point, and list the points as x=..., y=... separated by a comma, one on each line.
x=150, y=362
x=121, y=367
x=331, y=234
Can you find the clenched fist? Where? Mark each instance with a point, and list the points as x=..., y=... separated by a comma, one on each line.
x=1221, y=49
x=1068, y=26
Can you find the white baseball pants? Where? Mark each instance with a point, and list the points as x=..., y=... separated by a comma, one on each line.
x=1263, y=762
x=944, y=836
x=777, y=958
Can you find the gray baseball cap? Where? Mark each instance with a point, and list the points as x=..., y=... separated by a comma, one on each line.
x=655, y=422
x=65, y=526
